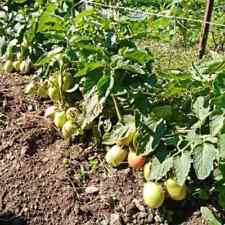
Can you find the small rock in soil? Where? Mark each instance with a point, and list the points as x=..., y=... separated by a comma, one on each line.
x=115, y=219
x=142, y=215
x=105, y=222
x=91, y=190
x=157, y=219
x=150, y=218
x=138, y=205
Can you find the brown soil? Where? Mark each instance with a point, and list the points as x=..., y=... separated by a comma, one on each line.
x=45, y=180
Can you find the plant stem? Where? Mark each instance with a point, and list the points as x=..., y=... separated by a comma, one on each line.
x=117, y=109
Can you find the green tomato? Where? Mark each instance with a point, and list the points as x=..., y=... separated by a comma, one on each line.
x=43, y=89
x=67, y=82
x=116, y=155
x=60, y=119
x=175, y=191
x=72, y=113
x=25, y=66
x=70, y=129
x=16, y=66
x=31, y=89
x=54, y=94
x=147, y=170
x=50, y=112
x=8, y=67
x=153, y=195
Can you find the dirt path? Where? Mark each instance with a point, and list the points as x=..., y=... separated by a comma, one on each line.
x=44, y=180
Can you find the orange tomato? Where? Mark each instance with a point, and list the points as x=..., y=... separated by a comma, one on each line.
x=136, y=161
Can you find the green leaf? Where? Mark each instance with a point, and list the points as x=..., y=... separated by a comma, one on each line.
x=103, y=85
x=159, y=131
x=200, y=109
x=80, y=18
x=89, y=67
x=136, y=69
x=150, y=134
x=160, y=167
x=182, y=166
x=204, y=156
x=48, y=57
x=215, y=66
x=93, y=107
x=219, y=84
x=216, y=124
x=49, y=21
x=120, y=131
x=90, y=49
x=139, y=56
x=20, y=1
x=164, y=111
x=209, y=217
x=221, y=146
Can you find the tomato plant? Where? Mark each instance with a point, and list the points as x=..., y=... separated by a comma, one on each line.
x=96, y=68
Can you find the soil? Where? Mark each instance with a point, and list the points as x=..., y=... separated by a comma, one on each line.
x=46, y=180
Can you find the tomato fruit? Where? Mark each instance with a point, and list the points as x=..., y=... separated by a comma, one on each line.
x=135, y=161
x=43, y=89
x=25, y=67
x=72, y=113
x=147, y=170
x=116, y=155
x=16, y=66
x=54, y=94
x=60, y=119
x=50, y=112
x=70, y=129
x=31, y=89
x=175, y=191
x=153, y=195
x=8, y=67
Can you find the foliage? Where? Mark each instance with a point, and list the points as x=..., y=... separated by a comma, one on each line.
x=94, y=61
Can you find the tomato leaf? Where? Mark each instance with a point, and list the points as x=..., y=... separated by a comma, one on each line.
x=216, y=124
x=182, y=166
x=200, y=109
x=139, y=56
x=221, y=146
x=89, y=67
x=120, y=131
x=160, y=167
x=209, y=217
x=204, y=156
x=92, y=107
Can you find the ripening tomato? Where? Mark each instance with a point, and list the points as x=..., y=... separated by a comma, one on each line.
x=136, y=161
x=116, y=155
x=153, y=194
x=175, y=191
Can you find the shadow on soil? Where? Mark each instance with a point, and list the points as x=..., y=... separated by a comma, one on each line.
x=10, y=218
